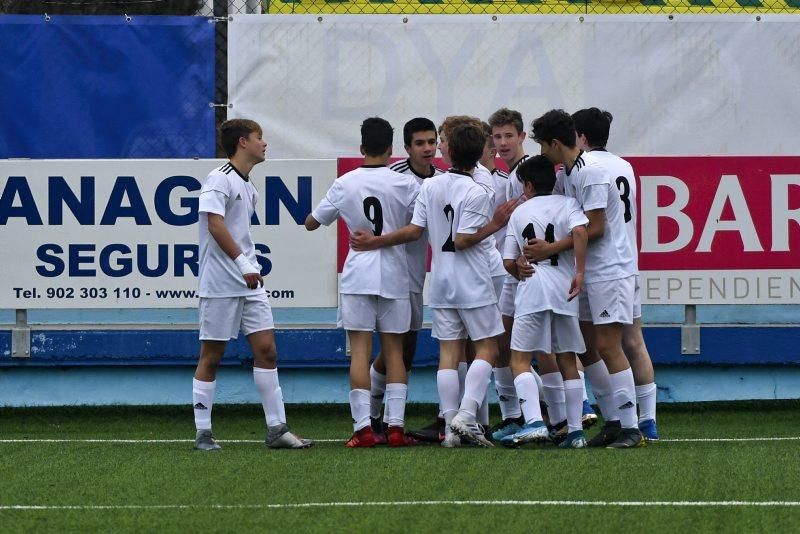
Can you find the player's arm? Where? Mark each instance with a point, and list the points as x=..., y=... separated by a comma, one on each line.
x=220, y=233
x=362, y=240
x=597, y=223
x=326, y=211
x=580, y=237
x=499, y=220
x=539, y=249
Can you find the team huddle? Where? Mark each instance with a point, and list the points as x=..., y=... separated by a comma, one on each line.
x=537, y=265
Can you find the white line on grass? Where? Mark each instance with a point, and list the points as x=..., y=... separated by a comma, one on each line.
x=726, y=504
x=134, y=441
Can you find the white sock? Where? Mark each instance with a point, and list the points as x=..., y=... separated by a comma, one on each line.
x=601, y=387
x=377, y=387
x=396, y=404
x=359, y=408
x=646, y=399
x=271, y=395
x=203, y=400
x=583, y=382
x=483, y=411
x=554, y=397
x=623, y=393
x=463, y=368
x=538, y=384
x=573, y=392
x=475, y=386
x=507, y=393
x=447, y=384
x=529, y=397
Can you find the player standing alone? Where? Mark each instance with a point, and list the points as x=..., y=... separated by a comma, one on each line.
x=232, y=297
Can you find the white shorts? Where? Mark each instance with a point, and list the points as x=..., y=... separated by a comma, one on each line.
x=415, y=299
x=222, y=318
x=608, y=302
x=506, y=302
x=637, y=300
x=460, y=323
x=498, y=282
x=548, y=332
x=372, y=313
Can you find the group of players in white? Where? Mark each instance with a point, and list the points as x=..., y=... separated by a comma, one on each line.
x=540, y=263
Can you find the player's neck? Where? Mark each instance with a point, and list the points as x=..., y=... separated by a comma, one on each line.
x=375, y=161
x=419, y=169
x=488, y=163
x=515, y=160
x=569, y=156
x=242, y=164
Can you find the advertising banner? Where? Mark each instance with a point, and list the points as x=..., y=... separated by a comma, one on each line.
x=124, y=233
x=712, y=230
x=678, y=85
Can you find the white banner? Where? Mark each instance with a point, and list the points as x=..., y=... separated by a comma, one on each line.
x=123, y=233
x=689, y=85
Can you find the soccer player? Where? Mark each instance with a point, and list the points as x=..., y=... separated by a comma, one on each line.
x=420, y=141
x=374, y=294
x=607, y=299
x=232, y=296
x=592, y=126
x=456, y=211
x=545, y=314
x=508, y=136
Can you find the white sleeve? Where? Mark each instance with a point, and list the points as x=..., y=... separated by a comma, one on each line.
x=575, y=215
x=413, y=194
x=420, y=217
x=214, y=195
x=594, y=182
x=510, y=246
x=558, y=188
x=475, y=213
x=328, y=209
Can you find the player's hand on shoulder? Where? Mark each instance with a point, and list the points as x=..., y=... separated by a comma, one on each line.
x=362, y=240
x=524, y=268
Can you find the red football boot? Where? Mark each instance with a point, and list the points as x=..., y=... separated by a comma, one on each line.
x=364, y=438
x=398, y=438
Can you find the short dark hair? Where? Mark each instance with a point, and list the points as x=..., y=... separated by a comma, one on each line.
x=504, y=116
x=231, y=131
x=538, y=171
x=418, y=124
x=556, y=124
x=595, y=124
x=376, y=136
x=466, y=143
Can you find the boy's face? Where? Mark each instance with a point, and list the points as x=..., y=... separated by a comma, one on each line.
x=551, y=151
x=444, y=149
x=508, y=142
x=254, y=146
x=422, y=149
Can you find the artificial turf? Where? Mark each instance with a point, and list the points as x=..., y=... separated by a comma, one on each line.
x=86, y=475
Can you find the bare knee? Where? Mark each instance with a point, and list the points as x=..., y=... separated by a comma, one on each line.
x=266, y=356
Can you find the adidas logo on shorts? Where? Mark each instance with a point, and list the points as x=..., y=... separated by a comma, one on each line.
x=200, y=406
x=626, y=406
x=605, y=314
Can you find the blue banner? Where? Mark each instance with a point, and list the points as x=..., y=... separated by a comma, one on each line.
x=106, y=87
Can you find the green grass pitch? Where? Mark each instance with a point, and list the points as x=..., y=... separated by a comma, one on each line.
x=165, y=486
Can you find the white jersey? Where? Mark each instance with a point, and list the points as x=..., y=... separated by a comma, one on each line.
x=610, y=256
x=417, y=251
x=623, y=178
x=500, y=183
x=380, y=200
x=227, y=193
x=449, y=204
x=494, y=257
x=514, y=190
x=514, y=185
x=548, y=217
